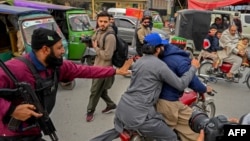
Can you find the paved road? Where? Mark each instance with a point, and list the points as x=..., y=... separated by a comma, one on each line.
x=69, y=112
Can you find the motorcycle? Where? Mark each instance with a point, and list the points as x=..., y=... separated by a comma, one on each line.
x=206, y=70
x=197, y=101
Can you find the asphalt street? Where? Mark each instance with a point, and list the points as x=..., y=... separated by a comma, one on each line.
x=69, y=113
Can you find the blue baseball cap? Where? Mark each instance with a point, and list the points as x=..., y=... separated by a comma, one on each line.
x=154, y=39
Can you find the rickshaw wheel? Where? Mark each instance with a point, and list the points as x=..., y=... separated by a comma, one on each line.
x=89, y=60
x=68, y=85
x=83, y=60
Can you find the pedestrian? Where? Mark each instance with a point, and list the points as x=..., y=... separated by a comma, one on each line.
x=136, y=108
x=112, y=23
x=218, y=24
x=141, y=32
x=46, y=58
x=104, y=51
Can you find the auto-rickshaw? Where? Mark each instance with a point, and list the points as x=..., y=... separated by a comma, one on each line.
x=194, y=25
x=17, y=25
x=74, y=23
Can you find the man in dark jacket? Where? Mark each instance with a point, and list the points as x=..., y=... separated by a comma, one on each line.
x=136, y=108
x=175, y=113
x=211, y=46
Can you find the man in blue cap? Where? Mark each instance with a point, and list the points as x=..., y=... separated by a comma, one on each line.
x=175, y=113
x=136, y=108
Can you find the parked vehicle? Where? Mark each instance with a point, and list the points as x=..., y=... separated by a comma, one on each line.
x=127, y=26
x=158, y=22
x=117, y=11
x=18, y=24
x=206, y=70
x=194, y=25
x=191, y=98
x=245, y=22
x=137, y=13
x=74, y=23
x=23, y=21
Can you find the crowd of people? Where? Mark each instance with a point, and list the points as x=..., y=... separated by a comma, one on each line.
x=226, y=46
x=150, y=104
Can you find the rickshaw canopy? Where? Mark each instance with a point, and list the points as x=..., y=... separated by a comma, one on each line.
x=42, y=5
x=16, y=10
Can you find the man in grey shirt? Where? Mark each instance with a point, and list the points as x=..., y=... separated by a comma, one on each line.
x=136, y=108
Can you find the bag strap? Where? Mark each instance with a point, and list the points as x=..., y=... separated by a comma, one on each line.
x=106, y=34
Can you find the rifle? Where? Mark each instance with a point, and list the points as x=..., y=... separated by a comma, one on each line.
x=30, y=97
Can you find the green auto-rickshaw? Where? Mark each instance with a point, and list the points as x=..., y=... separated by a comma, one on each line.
x=16, y=27
x=74, y=23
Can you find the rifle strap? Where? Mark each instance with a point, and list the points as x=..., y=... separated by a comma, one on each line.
x=38, y=79
x=33, y=70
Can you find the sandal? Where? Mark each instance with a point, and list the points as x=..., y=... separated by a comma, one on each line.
x=229, y=75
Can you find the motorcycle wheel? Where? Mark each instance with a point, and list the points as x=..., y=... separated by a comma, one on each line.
x=209, y=108
x=205, y=68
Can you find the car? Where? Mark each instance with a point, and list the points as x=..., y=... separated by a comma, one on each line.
x=127, y=25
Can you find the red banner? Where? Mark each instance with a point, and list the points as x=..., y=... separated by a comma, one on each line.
x=212, y=4
x=138, y=13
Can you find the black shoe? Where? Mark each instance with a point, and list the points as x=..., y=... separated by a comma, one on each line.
x=109, y=109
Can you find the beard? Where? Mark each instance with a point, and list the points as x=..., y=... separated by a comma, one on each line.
x=53, y=61
x=103, y=28
x=146, y=26
x=161, y=54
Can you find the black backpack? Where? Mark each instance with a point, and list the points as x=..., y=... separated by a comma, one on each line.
x=121, y=52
